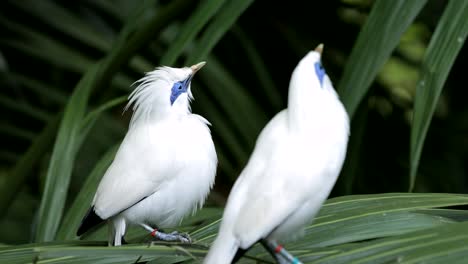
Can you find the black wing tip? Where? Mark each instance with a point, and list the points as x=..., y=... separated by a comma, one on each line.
x=239, y=254
x=90, y=220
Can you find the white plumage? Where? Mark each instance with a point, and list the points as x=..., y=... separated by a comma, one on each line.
x=295, y=163
x=166, y=164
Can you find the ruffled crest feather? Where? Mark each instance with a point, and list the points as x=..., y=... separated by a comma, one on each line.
x=147, y=96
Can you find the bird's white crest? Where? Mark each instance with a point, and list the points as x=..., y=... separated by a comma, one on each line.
x=294, y=165
x=152, y=94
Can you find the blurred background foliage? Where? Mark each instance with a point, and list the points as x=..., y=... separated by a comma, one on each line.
x=66, y=68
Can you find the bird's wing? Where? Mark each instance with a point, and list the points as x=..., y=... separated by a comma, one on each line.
x=138, y=170
x=114, y=196
x=270, y=199
x=278, y=190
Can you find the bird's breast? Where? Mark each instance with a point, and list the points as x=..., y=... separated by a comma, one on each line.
x=180, y=159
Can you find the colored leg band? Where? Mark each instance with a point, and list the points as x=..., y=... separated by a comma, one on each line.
x=278, y=248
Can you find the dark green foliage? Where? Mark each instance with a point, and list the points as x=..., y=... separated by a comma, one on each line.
x=67, y=67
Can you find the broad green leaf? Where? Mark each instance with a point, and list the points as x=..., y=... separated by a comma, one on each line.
x=377, y=39
x=359, y=217
x=83, y=200
x=444, y=244
x=62, y=160
x=445, y=44
x=85, y=252
x=347, y=207
x=365, y=227
x=456, y=215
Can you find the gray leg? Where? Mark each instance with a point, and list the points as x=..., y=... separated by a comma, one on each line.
x=171, y=237
x=281, y=255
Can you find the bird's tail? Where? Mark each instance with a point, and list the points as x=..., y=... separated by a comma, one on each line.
x=223, y=250
x=90, y=221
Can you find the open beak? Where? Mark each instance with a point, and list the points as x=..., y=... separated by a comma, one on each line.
x=197, y=67
x=318, y=49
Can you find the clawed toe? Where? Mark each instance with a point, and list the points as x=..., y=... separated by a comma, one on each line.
x=185, y=238
x=173, y=237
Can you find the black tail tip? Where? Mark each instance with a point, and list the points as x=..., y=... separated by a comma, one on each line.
x=90, y=220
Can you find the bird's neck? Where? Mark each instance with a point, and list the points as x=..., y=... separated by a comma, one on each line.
x=158, y=114
x=309, y=107
x=173, y=113
x=311, y=111
x=303, y=105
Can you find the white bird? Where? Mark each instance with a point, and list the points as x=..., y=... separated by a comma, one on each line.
x=294, y=166
x=165, y=166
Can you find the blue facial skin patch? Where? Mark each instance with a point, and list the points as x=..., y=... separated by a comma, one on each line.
x=320, y=71
x=179, y=88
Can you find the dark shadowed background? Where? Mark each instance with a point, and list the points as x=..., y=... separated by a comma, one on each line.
x=56, y=131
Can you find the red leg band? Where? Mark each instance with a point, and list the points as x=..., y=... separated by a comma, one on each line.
x=278, y=248
x=153, y=234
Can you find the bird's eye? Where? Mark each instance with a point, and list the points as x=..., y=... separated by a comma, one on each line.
x=177, y=89
x=319, y=71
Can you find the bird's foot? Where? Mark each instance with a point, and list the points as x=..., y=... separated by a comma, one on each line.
x=171, y=237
